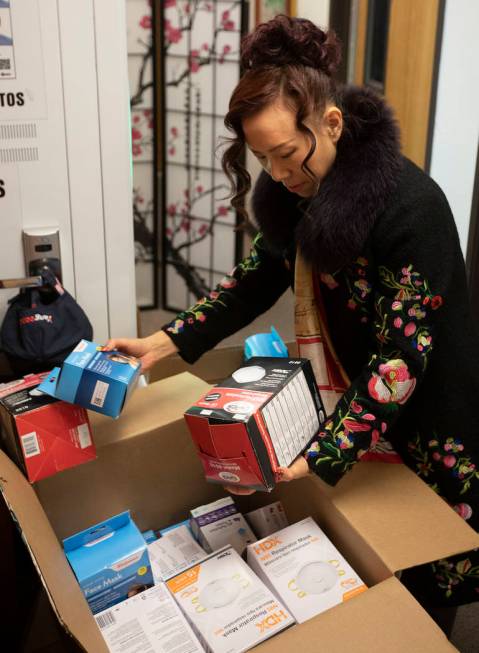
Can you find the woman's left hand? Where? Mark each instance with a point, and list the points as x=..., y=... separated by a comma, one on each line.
x=297, y=469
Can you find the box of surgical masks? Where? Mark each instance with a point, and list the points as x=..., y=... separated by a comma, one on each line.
x=110, y=561
x=268, y=519
x=219, y=523
x=304, y=569
x=95, y=379
x=228, y=605
x=149, y=622
x=173, y=552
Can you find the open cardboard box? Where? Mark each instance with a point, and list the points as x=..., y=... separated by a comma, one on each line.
x=382, y=518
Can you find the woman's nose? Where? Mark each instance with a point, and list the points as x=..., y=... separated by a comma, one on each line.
x=278, y=172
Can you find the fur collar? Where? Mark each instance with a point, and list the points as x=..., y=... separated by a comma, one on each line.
x=332, y=228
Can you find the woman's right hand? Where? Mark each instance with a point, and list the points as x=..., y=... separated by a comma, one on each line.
x=149, y=350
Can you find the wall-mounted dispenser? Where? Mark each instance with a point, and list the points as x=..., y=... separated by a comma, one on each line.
x=41, y=247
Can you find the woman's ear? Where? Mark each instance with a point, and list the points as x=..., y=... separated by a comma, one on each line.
x=333, y=122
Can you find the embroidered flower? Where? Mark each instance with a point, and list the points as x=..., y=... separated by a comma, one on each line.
x=393, y=383
x=464, y=510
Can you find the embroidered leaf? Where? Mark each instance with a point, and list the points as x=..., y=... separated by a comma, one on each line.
x=463, y=566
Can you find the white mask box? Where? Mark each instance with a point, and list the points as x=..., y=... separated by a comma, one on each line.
x=304, y=569
x=151, y=622
x=268, y=519
x=227, y=604
x=219, y=524
x=174, y=552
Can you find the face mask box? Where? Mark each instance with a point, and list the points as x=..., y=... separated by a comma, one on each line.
x=227, y=604
x=41, y=434
x=151, y=620
x=267, y=520
x=174, y=552
x=304, y=569
x=98, y=380
x=218, y=524
x=110, y=561
x=259, y=419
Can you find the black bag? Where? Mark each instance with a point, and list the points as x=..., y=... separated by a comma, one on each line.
x=42, y=326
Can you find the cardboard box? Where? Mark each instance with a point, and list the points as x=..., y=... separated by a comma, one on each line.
x=174, y=552
x=304, y=569
x=150, y=621
x=260, y=418
x=381, y=517
x=98, y=380
x=220, y=523
x=268, y=519
x=110, y=561
x=228, y=605
x=43, y=435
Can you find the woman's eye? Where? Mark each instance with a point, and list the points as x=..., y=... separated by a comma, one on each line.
x=286, y=156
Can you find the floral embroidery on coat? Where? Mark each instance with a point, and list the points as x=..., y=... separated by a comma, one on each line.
x=198, y=312
x=359, y=287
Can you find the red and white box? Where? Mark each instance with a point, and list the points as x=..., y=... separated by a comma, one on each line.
x=41, y=434
x=259, y=419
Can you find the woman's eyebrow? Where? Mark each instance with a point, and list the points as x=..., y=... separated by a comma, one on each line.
x=276, y=147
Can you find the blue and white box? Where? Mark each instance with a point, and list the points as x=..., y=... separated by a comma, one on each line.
x=110, y=561
x=95, y=379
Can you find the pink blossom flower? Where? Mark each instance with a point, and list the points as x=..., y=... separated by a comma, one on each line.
x=205, y=47
x=172, y=151
x=214, y=294
x=369, y=417
x=202, y=230
x=393, y=383
x=436, y=456
x=353, y=425
x=223, y=210
x=136, y=150
x=228, y=25
x=225, y=15
x=185, y=225
x=409, y=329
x=449, y=461
x=228, y=282
x=174, y=131
x=145, y=22
x=170, y=3
x=411, y=312
x=436, y=302
x=201, y=317
x=199, y=189
x=355, y=407
x=136, y=119
x=352, y=304
x=226, y=49
x=171, y=210
x=135, y=134
x=397, y=322
x=464, y=510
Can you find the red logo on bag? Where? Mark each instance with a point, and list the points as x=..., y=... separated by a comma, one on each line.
x=38, y=317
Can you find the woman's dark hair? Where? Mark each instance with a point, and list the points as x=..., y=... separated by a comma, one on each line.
x=289, y=58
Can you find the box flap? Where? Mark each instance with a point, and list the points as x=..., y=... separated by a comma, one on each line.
x=385, y=618
x=150, y=408
x=404, y=521
x=56, y=574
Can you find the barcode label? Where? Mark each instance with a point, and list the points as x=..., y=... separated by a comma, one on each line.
x=84, y=436
x=105, y=619
x=5, y=64
x=99, y=394
x=30, y=445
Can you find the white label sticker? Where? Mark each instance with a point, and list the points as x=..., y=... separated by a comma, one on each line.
x=84, y=437
x=30, y=445
x=99, y=394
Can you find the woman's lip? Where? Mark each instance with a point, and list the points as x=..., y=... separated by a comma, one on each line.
x=294, y=187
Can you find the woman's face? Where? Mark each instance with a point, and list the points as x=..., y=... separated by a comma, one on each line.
x=273, y=137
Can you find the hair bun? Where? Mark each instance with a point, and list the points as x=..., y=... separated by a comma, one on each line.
x=285, y=41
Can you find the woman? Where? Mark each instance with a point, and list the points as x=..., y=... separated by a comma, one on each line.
x=369, y=244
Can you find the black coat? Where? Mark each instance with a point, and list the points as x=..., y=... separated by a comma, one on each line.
x=383, y=240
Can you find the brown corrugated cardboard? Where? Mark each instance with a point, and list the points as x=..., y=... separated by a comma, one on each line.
x=380, y=516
